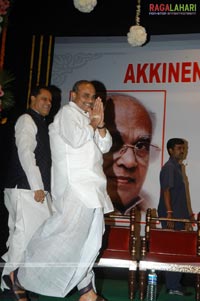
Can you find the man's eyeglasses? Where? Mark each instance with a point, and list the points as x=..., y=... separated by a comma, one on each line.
x=141, y=149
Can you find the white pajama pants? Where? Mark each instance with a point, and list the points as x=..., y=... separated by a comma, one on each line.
x=25, y=217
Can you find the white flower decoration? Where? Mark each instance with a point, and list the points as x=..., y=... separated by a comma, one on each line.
x=137, y=35
x=85, y=6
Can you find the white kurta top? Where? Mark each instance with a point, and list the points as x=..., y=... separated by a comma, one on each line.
x=77, y=159
x=25, y=137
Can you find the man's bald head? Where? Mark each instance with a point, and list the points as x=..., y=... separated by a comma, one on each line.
x=125, y=166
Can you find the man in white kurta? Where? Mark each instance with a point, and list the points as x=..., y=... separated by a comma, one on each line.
x=28, y=179
x=62, y=253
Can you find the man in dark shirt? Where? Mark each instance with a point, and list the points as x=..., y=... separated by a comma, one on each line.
x=173, y=200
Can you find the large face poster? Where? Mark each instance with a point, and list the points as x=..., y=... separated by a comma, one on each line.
x=135, y=121
x=156, y=96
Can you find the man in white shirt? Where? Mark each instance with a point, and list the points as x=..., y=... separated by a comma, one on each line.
x=68, y=243
x=28, y=181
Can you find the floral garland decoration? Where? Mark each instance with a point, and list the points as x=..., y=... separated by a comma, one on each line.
x=85, y=6
x=137, y=35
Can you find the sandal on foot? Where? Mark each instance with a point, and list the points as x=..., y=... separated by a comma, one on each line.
x=98, y=298
x=18, y=291
x=89, y=288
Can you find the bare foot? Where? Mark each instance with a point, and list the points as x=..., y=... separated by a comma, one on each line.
x=12, y=277
x=89, y=296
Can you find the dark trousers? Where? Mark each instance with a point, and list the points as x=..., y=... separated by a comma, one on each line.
x=173, y=280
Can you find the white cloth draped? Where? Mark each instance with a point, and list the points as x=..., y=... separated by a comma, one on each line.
x=63, y=251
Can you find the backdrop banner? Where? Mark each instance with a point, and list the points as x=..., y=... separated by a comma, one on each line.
x=163, y=75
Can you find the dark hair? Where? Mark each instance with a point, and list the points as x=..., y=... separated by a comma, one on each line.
x=174, y=141
x=56, y=102
x=36, y=90
x=80, y=82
